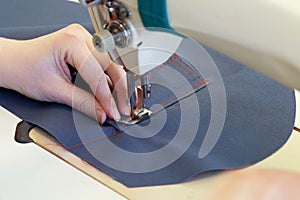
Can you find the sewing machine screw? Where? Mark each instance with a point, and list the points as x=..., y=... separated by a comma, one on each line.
x=103, y=41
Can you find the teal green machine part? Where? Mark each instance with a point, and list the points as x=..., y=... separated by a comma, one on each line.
x=154, y=13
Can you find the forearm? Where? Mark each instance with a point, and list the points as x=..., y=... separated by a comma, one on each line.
x=8, y=58
x=19, y=64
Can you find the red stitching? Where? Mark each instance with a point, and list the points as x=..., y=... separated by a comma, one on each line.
x=173, y=60
x=157, y=70
x=94, y=140
x=188, y=66
x=187, y=72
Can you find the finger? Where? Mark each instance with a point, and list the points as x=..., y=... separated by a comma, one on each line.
x=94, y=75
x=86, y=103
x=119, y=80
x=110, y=84
x=80, y=100
x=116, y=74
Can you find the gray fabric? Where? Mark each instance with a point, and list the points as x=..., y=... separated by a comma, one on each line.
x=33, y=18
x=259, y=115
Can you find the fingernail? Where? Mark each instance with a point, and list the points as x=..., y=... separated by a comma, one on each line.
x=102, y=120
x=127, y=111
x=101, y=117
x=116, y=115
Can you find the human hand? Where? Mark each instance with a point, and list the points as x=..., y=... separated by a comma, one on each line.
x=38, y=68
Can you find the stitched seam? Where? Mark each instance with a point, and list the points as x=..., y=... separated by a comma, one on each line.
x=187, y=72
x=188, y=66
x=93, y=140
x=173, y=60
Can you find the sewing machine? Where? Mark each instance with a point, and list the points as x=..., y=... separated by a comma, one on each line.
x=120, y=25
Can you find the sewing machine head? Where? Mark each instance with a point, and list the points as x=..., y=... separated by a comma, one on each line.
x=120, y=32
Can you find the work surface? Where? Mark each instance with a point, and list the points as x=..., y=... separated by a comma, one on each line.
x=29, y=172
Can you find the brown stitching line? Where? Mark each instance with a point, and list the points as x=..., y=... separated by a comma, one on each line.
x=86, y=142
x=188, y=66
x=173, y=60
x=197, y=84
x=160, y=68
x=187, y=72
x=157, y=70
x=93, y=140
